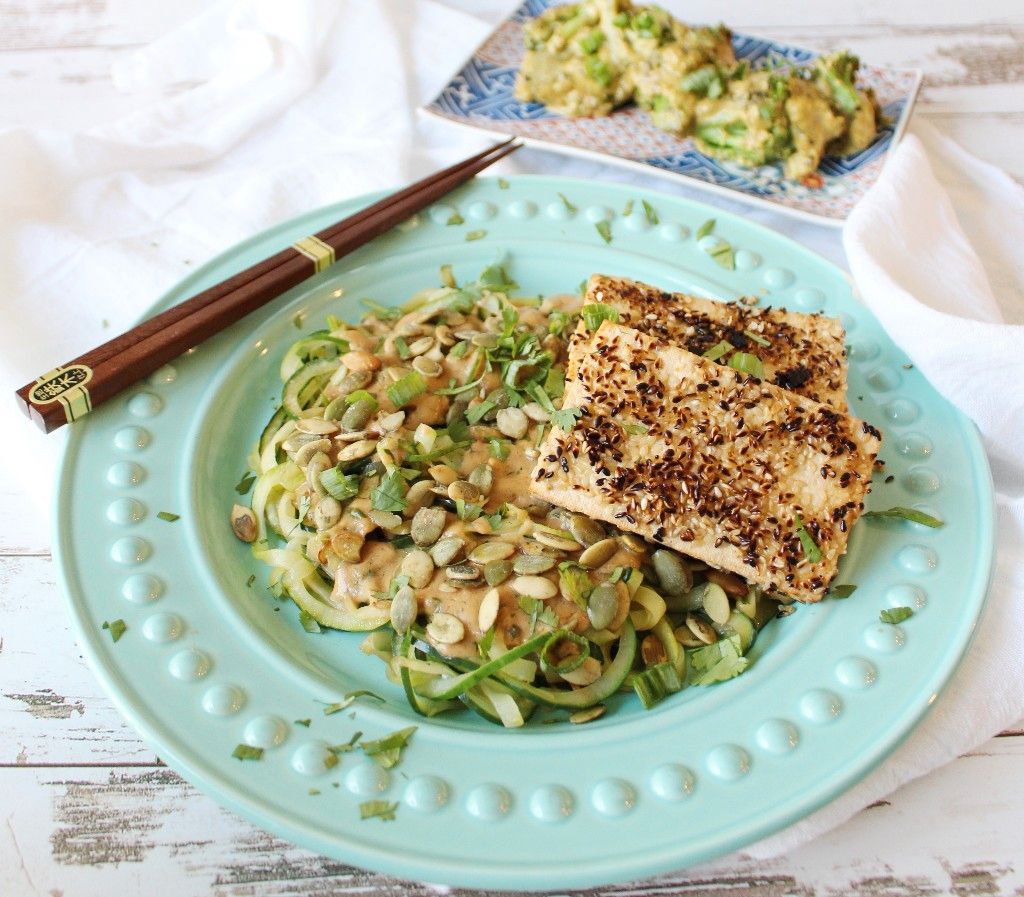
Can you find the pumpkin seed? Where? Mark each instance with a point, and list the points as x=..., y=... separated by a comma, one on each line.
x=427, y=525
x=586, y=716
x=385, y=519
x=419, y=494
x=336, y=408
x=462, y=572
x=634, y=543
x=673, y=575
x=403, y=609
x=421, y=346
x=357, y=360
x=243, y=522
x=485, y=340
x=527, y=564
x=653, y=651
x=358, y=415
x=326, y=513
x=482, y=477
x=446, y=551
x=443, y=474
x=347, y=545
x=715, y=603
x=702, y=629
x=316, y=425
x=599, y=553
x=496, y=572
x=316, y=466
x=488, y=610
x=303, y=455
x=584, y=530
x=354, y=380
x=602, y=605
x=684, y=635
x=445, y=629
x=512, y=422
x=391, y=422
x=428, y=367
x=587, y=672
x=461, y=490
x=732, y=584
x=357, y=451
x=534, y=411
x=419, y=567
x=562, y=543
x=535, y=587
x=492, y=550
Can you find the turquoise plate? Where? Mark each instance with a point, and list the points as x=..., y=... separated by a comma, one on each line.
x=210, y=660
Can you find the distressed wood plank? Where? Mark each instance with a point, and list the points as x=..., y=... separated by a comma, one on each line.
x=104, y=830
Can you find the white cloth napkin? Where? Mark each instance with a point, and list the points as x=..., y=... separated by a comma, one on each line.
x=269, y=109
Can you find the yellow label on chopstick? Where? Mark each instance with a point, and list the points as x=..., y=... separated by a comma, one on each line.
x=67, y=386
x=317, y=251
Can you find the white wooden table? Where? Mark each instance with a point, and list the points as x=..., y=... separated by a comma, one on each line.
x=88, y=810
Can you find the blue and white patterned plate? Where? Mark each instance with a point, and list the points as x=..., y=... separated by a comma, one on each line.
x=210, y=660
x=480, y=96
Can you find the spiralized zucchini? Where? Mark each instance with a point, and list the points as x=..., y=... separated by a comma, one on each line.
x=392, y=498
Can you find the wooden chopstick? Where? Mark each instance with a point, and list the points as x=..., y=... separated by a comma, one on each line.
x=68, y=392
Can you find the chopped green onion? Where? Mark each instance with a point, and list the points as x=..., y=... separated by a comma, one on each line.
x=810, y=547
x=574, y=661
x=477, y=413
x=895, y=614
x=390, y=494
x=383, y=312
x=361, y=395
x=652, y=216
x=605, y=230
x=455, y=219
x=911, y=514
x=168, y=516
x=378, y=809
x=245, y=484
x=594, y=314
x=475, y=235
x=500, y=448
x=656, y=683
x=459, y=349
x=247, y=752
x=402, y=347
x=746, y=363
x=717, y=662
x=339, y=485
x=410, y=387
x=705, y=228
x=447, y=276
x=718, y=350
x=455, y=390
x=842, y=591
x=760, y=340
x=568, y=205
x=117, y=628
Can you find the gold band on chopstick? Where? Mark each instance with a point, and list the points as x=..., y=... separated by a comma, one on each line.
x=321, y=254
x=67, y=386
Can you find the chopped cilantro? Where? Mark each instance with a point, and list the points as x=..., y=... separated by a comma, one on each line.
x=299, y=320
x=842, y=591
x=390, y=494
x=594, y=314
x=454, y=219
x=895, y=615
x=387, y=751
x=502, y=184
x=652, y=216
x=305, y=723
x=605, y=230
x=475, y=235
x=705, y=228
x=568, y=205
x=810, y=547
x=250, y=580
x=378, y=809
x=635, y=429
x=627, y=209
x=116, y=628
x=722, y=253
x=245, y=484
x=247, y=752
x=168, y=516
x=348, y=700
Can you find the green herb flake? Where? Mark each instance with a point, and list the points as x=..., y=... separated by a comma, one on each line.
x=810, y=547
x=448, y=276
x=627, y=209
x=348, y=699
x=475, y=235
x=247, y=752
x=635, y=429
x=760, y=340
x=381, y=312
x=250, y=580
x=718, y=350
x=911, y=514
x=387, y=751
x=652, y=216
x=724, y=256
x=308, y=622
x=605, y=230
x=345, y=747
x=305, y=723
x=116, y=628
x=390, y=494
x=299, y=320
x=383, y=810
x=455, y=219
x=565, y=418
x=168, y=516
x=568, y=205
x=405, y=390
x=706, y=228
x=402, y=348
x=895, y=615
x=594, y=314
x=245, y=484
x=844, y=590
x=499, y=448
x=746, y=363
x=502, y=184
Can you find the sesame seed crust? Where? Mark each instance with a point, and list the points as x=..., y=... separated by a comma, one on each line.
x=805, y=353
x=707, y=460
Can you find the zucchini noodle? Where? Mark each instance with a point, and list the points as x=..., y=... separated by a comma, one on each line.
x=392, y=497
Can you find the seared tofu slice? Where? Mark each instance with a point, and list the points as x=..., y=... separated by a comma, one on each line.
x=802, y=353
x=719, y=465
